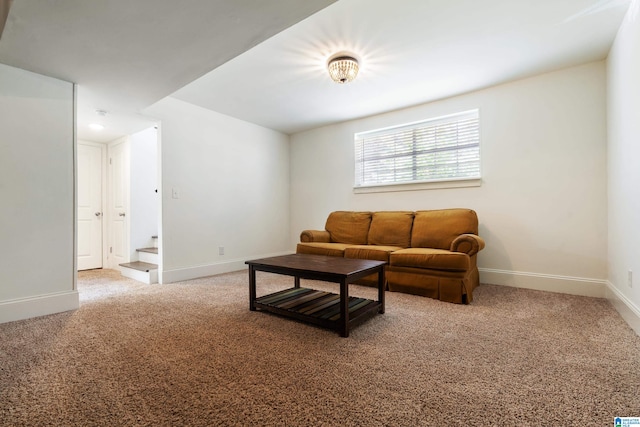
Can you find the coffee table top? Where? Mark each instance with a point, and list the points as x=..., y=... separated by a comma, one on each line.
x=318, y=264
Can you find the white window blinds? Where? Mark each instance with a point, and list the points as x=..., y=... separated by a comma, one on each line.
x=439, y=149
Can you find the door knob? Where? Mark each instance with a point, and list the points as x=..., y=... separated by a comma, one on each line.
x=121, y=214
x=98, y=213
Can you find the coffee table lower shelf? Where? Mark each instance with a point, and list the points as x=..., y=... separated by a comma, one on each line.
x=317, y=307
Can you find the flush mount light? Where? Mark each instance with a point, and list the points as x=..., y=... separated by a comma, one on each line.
x=343, y=69
x=96, y=126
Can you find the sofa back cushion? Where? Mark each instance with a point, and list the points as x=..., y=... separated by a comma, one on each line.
x=348, y=227
x=391, y=228
x=438, y=228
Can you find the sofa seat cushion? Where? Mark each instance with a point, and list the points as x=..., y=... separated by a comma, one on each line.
x=434, y=259
x=326, y=249
x=371, y=252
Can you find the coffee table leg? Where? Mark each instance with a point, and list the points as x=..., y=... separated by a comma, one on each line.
x=381, y=292
x=252, y=288
x=344, y=308
x=296, y=282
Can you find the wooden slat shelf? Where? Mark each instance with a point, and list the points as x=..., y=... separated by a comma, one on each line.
x=318, y=307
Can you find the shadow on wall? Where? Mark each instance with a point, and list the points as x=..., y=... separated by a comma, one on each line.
x=494, y=255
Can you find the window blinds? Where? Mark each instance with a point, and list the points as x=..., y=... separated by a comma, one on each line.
x=440, y=149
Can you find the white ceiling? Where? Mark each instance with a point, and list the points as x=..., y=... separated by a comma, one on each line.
x=125, y=55
x=411, y=51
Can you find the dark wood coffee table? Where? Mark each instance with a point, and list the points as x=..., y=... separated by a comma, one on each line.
x=335, y=311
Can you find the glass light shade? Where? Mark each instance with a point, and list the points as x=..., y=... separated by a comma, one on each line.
x=343, y=69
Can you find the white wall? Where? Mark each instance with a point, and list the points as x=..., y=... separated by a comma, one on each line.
x=144, y=209
x=37, y=217
x=542, y=202
x=623, y=70
x=232, y=183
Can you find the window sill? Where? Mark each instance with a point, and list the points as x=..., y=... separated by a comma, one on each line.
x=415, y=186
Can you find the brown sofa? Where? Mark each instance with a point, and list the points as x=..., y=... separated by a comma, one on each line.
x=430, y=253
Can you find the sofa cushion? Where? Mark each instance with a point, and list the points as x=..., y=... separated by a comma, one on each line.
x=376, y=253
x=438, y=228
x=326, y=249
x=434, y=259
x=348, y=227
x=391, y=228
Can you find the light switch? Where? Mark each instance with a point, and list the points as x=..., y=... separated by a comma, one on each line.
x=174, y=193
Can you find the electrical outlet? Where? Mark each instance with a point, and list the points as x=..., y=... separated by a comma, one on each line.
x=220, y=250
x=630, y=279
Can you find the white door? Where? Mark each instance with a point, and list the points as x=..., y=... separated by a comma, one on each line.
x=118, y=201
x=90, y=161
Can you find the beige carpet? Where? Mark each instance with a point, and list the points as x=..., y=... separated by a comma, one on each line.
x=192, y=353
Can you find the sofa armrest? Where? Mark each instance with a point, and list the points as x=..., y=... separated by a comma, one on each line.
x=321, y=236
x=469, y=244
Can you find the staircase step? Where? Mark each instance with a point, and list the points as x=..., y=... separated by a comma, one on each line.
x=140, y=266
x=141, y=271
x=149, y=255
x=149, y=250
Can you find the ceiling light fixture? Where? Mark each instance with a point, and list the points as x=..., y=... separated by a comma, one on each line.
x=96, y=126
x=343, y=69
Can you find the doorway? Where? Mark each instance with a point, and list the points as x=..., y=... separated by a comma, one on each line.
x=118, y=204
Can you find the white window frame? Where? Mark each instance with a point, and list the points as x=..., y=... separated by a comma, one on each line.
x=402, y=184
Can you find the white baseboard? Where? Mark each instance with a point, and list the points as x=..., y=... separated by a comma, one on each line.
x=40, y=305
x=179, y=274
x=627, y=309
x=545, y=282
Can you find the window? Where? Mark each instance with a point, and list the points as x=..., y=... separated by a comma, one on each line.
x=435, y=150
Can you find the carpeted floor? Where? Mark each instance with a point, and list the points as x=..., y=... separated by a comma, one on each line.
x=192, y=353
